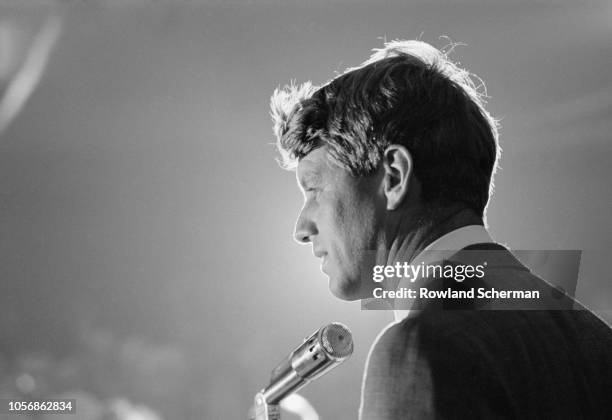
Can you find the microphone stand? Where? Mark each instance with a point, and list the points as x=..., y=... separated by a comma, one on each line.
x=261, y=410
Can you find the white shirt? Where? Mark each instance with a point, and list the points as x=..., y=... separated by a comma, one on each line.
x=444, y=247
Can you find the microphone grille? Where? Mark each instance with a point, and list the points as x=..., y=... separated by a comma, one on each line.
x=337, y=340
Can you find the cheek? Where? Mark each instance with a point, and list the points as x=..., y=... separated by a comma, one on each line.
x=334, y=225
x=354, y=220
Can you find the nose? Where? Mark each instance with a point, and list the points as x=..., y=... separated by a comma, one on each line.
x=305, y=227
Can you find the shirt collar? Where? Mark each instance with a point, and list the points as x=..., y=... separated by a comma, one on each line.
x=444, y=247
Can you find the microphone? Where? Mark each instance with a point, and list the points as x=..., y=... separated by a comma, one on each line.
x=325, y=349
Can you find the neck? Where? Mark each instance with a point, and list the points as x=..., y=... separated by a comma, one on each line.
x=410, y=239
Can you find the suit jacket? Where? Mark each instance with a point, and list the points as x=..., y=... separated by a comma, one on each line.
x=487, y=359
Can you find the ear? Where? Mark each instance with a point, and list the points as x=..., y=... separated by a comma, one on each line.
x=397, y=164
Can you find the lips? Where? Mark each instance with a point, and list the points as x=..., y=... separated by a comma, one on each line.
x=324, y=263
x=319, y=253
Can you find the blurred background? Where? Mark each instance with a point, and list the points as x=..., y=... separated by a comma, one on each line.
x=147, y=266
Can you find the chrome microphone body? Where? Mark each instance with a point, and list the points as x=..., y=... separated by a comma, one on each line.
x=325, y=349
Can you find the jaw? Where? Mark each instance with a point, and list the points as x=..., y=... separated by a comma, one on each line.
x=345, y=288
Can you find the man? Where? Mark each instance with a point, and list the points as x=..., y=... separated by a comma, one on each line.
x=395, y=159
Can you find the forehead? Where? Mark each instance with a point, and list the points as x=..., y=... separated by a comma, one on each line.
x=314, y=165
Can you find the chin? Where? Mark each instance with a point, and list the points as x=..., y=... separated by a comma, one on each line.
x=345, y=289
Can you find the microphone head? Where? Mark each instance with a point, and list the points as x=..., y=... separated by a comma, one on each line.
x=337, y=340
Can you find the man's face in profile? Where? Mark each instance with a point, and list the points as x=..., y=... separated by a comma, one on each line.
x=340, y=217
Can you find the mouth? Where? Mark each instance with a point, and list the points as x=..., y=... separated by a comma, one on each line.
x=324, y=263
x=323, y=255
x=319, y=253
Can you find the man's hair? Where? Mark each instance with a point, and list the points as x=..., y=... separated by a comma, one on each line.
x=407, y=93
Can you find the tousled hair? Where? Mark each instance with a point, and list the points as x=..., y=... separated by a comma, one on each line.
x=407, y=93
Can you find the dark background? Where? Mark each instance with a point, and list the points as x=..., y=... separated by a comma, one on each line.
x=145, y=229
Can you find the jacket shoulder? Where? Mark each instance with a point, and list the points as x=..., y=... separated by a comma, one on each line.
x=397, y=381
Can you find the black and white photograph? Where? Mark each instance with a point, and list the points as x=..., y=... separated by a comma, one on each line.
x=313, y=210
